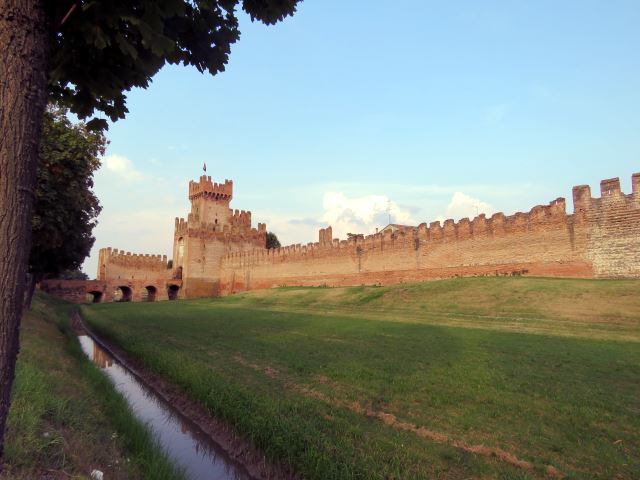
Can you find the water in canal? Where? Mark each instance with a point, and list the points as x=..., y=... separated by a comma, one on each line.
x=188, y=447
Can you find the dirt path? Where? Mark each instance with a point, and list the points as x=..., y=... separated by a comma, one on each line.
x=392, y=421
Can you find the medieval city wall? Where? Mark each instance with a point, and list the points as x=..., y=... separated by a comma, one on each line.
x=114, y=264
x=613, y=221
x=216, y=250
x=74, y=291
x=136, y=277
x=601, y=239
x=121, y=276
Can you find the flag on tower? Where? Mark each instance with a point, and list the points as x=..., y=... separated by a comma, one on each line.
x=204, y=167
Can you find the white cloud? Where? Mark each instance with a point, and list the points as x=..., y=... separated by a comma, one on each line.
x=122, y=167
x=344, y=214
x=463, y=205
x=361, y=214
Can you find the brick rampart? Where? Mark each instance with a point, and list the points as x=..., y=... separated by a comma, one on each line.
x=217, y=251
x=600, y=239
x=114, y=264
x=121, y=276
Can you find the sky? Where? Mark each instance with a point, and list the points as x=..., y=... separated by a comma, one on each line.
x=355, y=112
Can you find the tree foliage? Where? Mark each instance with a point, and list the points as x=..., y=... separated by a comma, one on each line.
x=65, y=208
x=73, y=275
x=272, y=240
x=84, y=55
x=103, y=48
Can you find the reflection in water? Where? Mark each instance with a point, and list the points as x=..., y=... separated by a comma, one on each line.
x=185, y=445
x=100, y=357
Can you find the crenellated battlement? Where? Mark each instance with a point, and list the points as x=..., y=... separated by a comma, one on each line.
x=241, y=217
x=539, y=217
x=181, y=227
x=239, y=230
x=585, y=206
x=114, y=264
x=141, y=260
x=325, y=237
x=609, y=188
x=205, y=187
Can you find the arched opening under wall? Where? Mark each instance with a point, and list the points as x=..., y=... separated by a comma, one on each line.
x=94, y=296
x=122, y=294
x=172, y=292
x=149, y=293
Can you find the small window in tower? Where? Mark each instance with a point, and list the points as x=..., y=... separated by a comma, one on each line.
x=216, y=221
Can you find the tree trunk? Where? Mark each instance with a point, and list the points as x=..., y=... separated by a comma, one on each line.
x=28, y=292
x=24, y=52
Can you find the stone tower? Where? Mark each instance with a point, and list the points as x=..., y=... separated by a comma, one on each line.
x=211, y=230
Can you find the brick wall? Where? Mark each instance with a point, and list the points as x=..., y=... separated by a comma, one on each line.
x=211, y=231
x=222, y=253
x=613, y=224
x=120, y=265
x=600, y=239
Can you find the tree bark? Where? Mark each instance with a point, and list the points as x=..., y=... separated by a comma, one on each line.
x=24, y=52
x=28, y=292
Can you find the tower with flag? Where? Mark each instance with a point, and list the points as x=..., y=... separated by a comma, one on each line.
x=211, y=230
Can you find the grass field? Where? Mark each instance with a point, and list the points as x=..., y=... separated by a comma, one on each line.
x=509, y=378
x=65, y=418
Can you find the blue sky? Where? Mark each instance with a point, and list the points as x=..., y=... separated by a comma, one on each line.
x=438, y=109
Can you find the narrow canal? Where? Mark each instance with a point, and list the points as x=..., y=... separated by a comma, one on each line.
x=198, y=456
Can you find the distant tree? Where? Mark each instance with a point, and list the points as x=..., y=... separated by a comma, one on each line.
x=73, y=275
x=272, y=240
x=170, y=264
x=66, y=208
x=85, y=54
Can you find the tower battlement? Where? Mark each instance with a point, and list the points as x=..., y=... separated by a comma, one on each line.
x=205, y=187
x=211, y=230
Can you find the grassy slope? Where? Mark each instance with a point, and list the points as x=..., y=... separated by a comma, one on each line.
x=65, y=418
x=297, y=369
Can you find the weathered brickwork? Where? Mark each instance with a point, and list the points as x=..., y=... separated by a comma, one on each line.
x=600, y=239
x=211, y=231
x=117, y=265
x=121, y=276
x=216, y=251
x=613, y=225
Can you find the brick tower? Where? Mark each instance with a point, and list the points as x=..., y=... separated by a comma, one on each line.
x=211, y=230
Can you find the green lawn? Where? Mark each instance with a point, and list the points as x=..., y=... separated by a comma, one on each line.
x=65, y=418
x=462, y=378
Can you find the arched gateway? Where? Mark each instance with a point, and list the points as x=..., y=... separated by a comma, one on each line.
x=149, y=293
